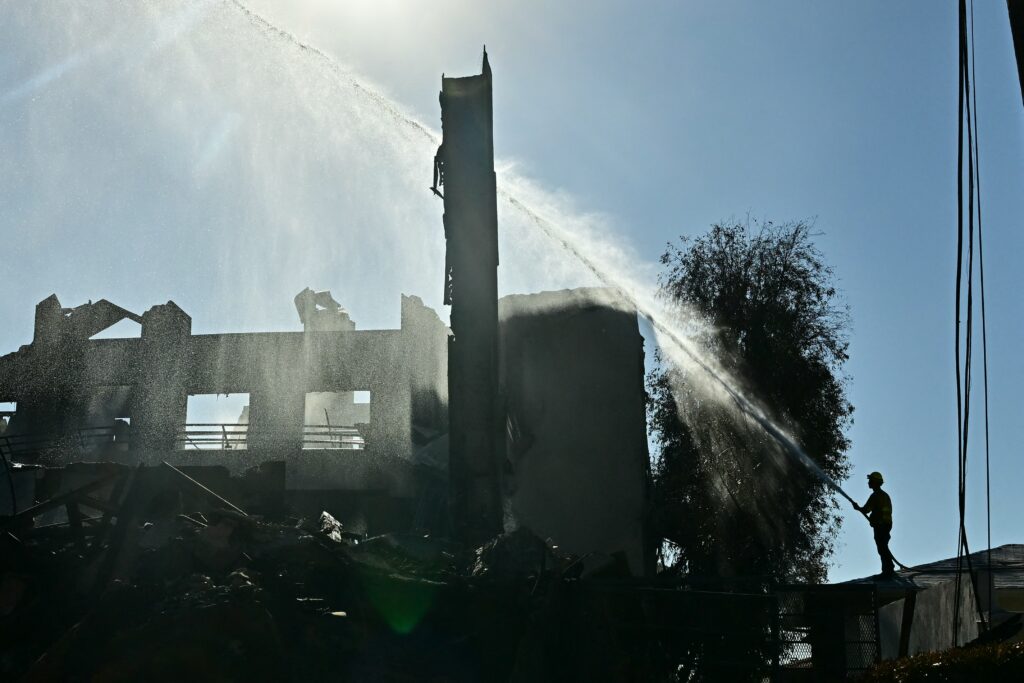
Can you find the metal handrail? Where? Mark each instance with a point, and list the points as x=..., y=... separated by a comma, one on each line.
x=216, y=424
x=199, y=435
x=218, y=438
x=235, y=435
x=84, y=437
x=332, y=437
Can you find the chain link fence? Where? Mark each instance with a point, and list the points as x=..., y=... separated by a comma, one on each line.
x=828, y=632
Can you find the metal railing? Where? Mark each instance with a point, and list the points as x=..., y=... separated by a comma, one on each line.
x=235, y=436
x=84, y=438
x=223, y=436
x=198, y=436
x=332, y=437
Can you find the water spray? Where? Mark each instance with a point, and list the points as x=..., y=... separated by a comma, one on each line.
x=630, y=290
x=746, y=406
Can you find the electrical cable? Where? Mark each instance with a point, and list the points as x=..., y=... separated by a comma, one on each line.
x=974, y=204
x=967, y=98
x=959, y=270
x=984, y=322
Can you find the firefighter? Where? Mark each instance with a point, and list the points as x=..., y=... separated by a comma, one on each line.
x=878, y=510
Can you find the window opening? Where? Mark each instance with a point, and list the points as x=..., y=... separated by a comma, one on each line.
x=337, y=420
x=216, y=422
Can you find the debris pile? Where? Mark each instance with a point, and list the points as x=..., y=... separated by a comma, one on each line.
x=149, y=574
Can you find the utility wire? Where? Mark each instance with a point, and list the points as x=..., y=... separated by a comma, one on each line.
x=959, y=271
x=967, y=104
x=984, y=325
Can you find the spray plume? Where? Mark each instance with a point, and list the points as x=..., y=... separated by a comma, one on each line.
x=284, y=125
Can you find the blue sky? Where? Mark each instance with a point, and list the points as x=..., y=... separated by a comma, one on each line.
x=171, y=153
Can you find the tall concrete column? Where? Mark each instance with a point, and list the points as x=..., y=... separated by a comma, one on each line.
x=465, y=169
x=161, y=397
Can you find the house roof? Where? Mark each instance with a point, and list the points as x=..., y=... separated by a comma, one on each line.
x=1007, y=567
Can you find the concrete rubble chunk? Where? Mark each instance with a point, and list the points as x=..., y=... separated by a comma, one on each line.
x=330, y=527
x=518, y=554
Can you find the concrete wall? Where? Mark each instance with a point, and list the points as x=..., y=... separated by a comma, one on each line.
x=571, y=383
x=1010, y=599
x=572, y=380
x=339, y=407
x=57, y=380
x=931, y=627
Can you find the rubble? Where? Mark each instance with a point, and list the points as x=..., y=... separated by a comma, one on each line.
x=518, y=554
x=173, y=581
x=330, y=527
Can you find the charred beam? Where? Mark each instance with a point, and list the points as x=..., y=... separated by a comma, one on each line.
x=465, y=167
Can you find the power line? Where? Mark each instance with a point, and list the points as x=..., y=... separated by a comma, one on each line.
x=967, y=98
x=984, y=322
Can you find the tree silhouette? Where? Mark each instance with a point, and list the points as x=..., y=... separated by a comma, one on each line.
x=727, y=498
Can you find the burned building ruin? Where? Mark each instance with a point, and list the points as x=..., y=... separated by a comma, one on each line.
x=505, y=449
x=81, y=400
x=482, y=516
x=536, y=420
